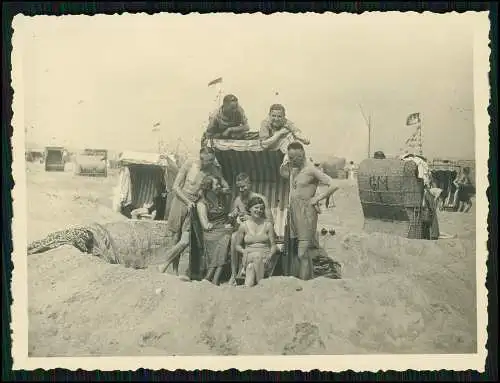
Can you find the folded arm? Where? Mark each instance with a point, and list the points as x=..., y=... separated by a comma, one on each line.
x=266, y=139
x=243, y=127
x=297, y=133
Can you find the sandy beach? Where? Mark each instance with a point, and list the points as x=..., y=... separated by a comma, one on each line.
x=395, y=296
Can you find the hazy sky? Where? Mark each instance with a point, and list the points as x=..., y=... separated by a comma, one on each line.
x=103, y=81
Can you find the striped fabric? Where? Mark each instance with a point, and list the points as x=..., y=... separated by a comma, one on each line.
x=263, y=168
x=144, y=180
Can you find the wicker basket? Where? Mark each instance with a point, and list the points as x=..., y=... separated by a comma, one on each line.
x=391, y=197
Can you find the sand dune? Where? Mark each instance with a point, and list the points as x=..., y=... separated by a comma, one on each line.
x=396, y=295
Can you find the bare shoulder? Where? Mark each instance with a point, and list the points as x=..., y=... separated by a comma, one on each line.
x=311, y=169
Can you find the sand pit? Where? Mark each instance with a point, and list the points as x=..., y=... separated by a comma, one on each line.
x=396, y=295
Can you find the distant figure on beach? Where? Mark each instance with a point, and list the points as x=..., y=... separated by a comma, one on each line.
x=431, y=227
x=464, y=190
x=186, y=190
x=350, y=170
x=303, y=206
x=241, y=213
x=255, y=240
x=227, y=122
x=276, y=127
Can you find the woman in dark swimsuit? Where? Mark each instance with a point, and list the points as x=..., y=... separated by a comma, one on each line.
x=212, y=211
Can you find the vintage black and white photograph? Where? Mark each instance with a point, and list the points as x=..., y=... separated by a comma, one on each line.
x=250, y=188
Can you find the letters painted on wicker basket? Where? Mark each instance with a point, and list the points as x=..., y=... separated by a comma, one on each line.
x=391, y=197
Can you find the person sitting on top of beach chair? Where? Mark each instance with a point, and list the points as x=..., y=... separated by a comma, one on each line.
x=227, y=122
x=276, y=127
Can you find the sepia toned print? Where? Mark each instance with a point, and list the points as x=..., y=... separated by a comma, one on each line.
x=303, y=192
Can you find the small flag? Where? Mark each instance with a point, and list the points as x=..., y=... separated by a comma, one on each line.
x=413, y=119
x=216, y=81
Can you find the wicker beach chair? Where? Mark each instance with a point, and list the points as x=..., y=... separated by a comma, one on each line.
x=146, y=171
x=92, y=162
x=392, y=198
x=248, y=156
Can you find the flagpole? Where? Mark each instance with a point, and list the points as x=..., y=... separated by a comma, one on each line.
x=420, y=145
x=368, y=122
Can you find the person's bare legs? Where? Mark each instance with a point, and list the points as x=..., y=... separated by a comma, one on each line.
x=234, y=260
x=305, y=261
x=250, y=275
x=218, y=272
x=210, y=274
x=460, y=207
x=455, y=199
x=173, y=255
x=468, y=206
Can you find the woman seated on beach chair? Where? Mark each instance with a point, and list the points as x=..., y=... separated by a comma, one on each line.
x=212, y=209
x=255, y=240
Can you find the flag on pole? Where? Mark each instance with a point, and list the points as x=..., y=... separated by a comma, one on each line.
x=216, y=81
x=413, y=119
x=412, y=138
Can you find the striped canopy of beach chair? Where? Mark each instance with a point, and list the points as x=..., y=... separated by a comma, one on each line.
x=248, y=156
x=146, y=171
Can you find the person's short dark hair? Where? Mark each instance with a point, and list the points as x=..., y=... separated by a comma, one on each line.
x=207, y=150
x=255, y=201
x=242, y=177
x=279, y=107
x=379, y=155
x=229, y=98
x=295, y=146
x=207, y=183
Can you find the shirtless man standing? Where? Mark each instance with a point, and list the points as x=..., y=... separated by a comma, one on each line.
x=186, y=190
x=244, y=186
x=303, y=207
